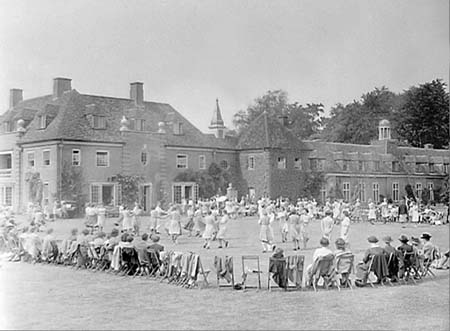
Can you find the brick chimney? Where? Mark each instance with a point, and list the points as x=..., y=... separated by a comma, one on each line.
x=61, y=85
x=137, y=92
x=15, y=96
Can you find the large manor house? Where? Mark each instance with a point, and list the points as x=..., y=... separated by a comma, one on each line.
x=102, y=137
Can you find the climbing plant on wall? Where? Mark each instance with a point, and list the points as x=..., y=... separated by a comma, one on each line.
x=35, y=186
x=129, y=186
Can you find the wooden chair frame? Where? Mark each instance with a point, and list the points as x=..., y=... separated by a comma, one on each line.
x=244, y=273
x=288, y=286
x=219, y=285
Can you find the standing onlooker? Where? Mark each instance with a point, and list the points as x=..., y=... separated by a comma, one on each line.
x=345, y=227
x=327, y=224
x=101, y=217
x=402, y=212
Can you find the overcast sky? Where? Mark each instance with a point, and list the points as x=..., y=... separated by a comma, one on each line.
x=187, y=53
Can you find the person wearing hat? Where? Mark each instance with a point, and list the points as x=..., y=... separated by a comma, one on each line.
x=322, y=251
x=375, y=258
x=403, y=249
x=428, y=248
x=294, y=228
x=326, y=225
x=158, y=248
x=341, y=247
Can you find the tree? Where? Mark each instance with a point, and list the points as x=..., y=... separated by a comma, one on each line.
x=35, y=186
x=129, y=185
x=303, y=121
x=71, y=186
x=357, y=122
x=424, y=116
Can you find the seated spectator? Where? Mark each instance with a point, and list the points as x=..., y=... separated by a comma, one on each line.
x=393, y=257
x=404, y=248
x=155, y=246
x=340, y=247
x=372, y=261
x=141, y=243
x=318, y=253
x=428, y=247
x=99, y=240
x=443, y=262
x=49, y=247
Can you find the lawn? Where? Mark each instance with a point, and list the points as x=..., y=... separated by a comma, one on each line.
x=52, y=297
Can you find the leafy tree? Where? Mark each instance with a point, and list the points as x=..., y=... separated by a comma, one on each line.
x=129, y=187
x=71, y=186
x=303, y=120
x=35, y=186
x=424, y=116
x=357, y=122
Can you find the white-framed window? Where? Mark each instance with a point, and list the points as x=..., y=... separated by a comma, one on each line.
x=375, y=192
x=8, y=126
x=251, y=163
x=395, y=193
x=362, y=191
x=144, y=158
x=346, y=191
x=376, y=165
x=419, y=190
x=42, y=121
x=95, y=193
x=396, y=166
x=99, y=122
x=107, y=193
x=76, y=157
x=45, y=193
x=178, y=128
x=30, y=159
x=298, y=163
x=432, y=167
x=323, y=194
x=102, y=158
x=446, y=168
x=184, y=190
x=46, y=157
x=281, y=162
x=140, y=124
x=202, y=162
x=430, y=187
x=6, y=195
x=182, y=161
x=224, y=164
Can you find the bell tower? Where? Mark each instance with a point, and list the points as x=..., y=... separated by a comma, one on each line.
x=217, y=125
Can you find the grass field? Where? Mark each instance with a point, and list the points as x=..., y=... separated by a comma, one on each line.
x=52, y=297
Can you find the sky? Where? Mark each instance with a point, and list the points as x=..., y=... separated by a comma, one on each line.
x=188, y=53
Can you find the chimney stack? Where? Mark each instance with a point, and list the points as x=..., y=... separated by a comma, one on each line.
x=15, y=96
x=61, y=85
x=137, y=92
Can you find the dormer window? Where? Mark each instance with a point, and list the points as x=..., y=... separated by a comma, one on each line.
x=42, y=121
x=8, y=126
x=99, y=122
x=178, y=128
x=140, y=124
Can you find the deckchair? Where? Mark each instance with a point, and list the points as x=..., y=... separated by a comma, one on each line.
x=224, y=270
x=382, y=274
x=434, y=255
x=323, y=268
x=245, y=272
x=344, y=268
x=410, y=260
x=291, y=276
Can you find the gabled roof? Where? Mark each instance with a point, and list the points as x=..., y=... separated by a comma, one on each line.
x=267, y=132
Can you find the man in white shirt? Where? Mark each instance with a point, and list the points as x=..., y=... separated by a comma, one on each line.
x=318, y=253
x=326, y=225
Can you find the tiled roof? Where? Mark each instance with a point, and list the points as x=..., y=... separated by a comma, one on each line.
x=266, y=132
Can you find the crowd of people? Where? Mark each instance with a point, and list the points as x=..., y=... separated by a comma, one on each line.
x=209, y=219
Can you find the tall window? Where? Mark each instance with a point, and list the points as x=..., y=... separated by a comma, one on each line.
x=432, y=167
x=298, y=163
x=281, y=163
x=431, y=190
x=345, y=165
x=323, y=194
x=446, y=168
x=320, y=164
x=375, y=192
x=395, y=166
x=360, y=166
x=102, y=159
x=46, y=157
x=30, y=159
x=419, y=190
x=346, y=191
x=395, y=191
x=144, y=158
x=182, y=161
x=377, y=165
x=6, y=195
x=45, y=193
x=178, y=128
x=95, y=193
x=9, y=126
x=76, y=157
x=202, y=162
x=362, y=191
x=140, y=124
x=251, y=163
x=99, y=122
x=42, y=121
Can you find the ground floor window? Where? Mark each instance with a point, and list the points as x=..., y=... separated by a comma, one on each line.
x=375, y=192
x=395, y=191
x=145, y=196
x=184, y=191
x=6, y=195
x=362, y=191
x=419, y=190
x=431, y=190
x=105, y=193
x=323, y=195
x=346, y=191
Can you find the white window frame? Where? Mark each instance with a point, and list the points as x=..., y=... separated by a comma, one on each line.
x=419, y=190
x=202, y=162
x=362, y=191
x=42, y=121
x=76, y=153
x=395, y=191
x=44, y=159
x=101, y=122
x=346, y=191
x=28, y=159
x=376, y=192
x=146, y=158
x=281, y=162
x=297, y=163
x=430, y=186
x=116, y=192
x=182, y=165
x=46, y=192
x=6, y=195
x=446, y=168
x=323, y=194
x=251, y=162
x=107, y=159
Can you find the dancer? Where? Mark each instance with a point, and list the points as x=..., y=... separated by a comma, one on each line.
x=265, y=235
x=284, y=226
x=372, y=212
x=174, y=224
x=327, y=224
x=210, y=228
x=101, y=217
x=223, y=229
x=294, y=228
x=199, y=225
x=345, y=227
x=304, y=222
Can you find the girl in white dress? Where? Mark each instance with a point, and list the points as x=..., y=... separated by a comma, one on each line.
x=372, y=212
x=265, y=235
x=284, y=227
x=174, y=224
x=223, y=229
x=210, y=228
x=294, y=228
